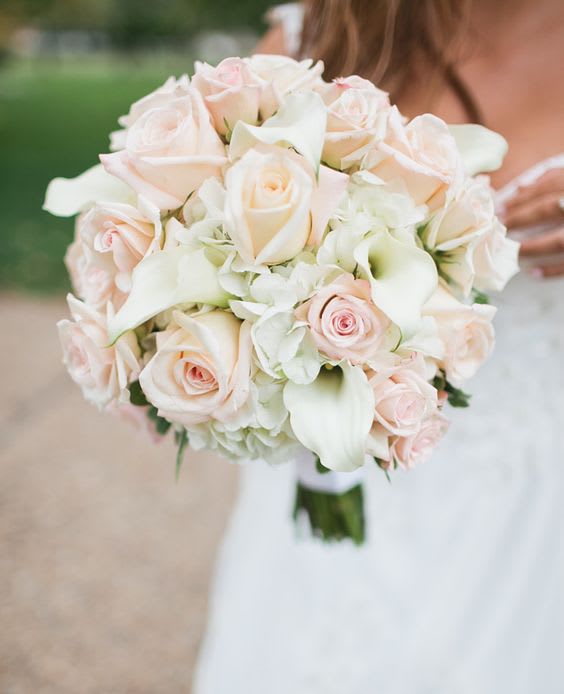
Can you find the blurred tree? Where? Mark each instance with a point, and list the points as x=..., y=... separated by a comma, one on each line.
x=132, y=23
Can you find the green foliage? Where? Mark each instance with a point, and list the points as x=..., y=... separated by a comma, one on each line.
x=54, y=121
x=479, y=297
x=332, y=517
x=136, y=395
x=161, y=424
x=181, y=438
x=321, y=468
x=456, y=397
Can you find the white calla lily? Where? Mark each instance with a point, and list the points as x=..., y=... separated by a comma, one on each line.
x=481, y=149
x=402, y=277
x=166, y=279
x=333, y=415
x=300, y=123
x=66, y=197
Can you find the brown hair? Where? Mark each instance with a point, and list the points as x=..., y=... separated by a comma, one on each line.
x=401, y=35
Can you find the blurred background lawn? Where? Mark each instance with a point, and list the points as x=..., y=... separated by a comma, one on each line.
x=68, y=69
x=104, y=560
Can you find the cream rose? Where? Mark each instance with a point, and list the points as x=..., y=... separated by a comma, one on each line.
x=172, y=89
x=274, y=205
x=496, y=259
x=417, y=448
x=466, y=333
x=282, y=76
x=102, y=372
x=422, y=155
x=169, y=151
x=91, y=283
x=454, y=231
x=117, y=237
x=231, y=92
x=470, y=215
x=403, y=396
x=356, y=116
x=201, y=369
x=344, y=322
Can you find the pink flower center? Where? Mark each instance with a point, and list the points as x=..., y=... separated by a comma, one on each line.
x=199, y=377
x=344, y=322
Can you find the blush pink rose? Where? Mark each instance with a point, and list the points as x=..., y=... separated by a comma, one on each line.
x=403, y=396
x=231, y=92
x=201, y=369
x=408, y=451
x=495, y=258
x=466, y=332
x=117, y=237
x=169, y=151
x=281, y=76
x=172, y=89
x=344, y=322
x=102, y=372
x=90, y=282
x=356, y=116
x=422, y=156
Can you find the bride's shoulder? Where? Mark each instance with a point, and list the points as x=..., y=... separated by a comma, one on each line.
x=285, y=22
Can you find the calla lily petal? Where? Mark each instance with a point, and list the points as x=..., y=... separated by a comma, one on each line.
x=333, y=415
x=166, y=279
x=481, y=149
x=402, y=277
x=300, y=123
x=66, y=197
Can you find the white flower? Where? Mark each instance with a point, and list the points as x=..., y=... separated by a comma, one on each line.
x=101, y=371
x=283, y=76
x=284, y=347
x=466, y=332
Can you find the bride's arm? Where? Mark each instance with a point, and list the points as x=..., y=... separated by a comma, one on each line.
x=273, y=42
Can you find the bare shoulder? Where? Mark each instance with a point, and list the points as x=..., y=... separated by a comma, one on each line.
x=273, y=42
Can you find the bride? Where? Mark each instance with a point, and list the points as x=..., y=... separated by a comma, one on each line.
x=459, y=587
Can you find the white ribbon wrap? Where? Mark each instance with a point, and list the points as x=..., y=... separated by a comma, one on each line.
x=326, y=482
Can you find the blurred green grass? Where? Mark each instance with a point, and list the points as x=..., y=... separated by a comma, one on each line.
x=54, y=121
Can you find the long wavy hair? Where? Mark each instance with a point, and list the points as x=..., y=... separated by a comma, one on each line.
x=387, y=41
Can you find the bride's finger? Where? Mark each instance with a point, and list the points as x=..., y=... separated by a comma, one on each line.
x=545, y=244
x=547, y=208
x=550, y=182
x=554, y=270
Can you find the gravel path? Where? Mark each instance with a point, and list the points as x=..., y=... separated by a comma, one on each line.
x=104, y=560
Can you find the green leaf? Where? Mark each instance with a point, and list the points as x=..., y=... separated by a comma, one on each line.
x=181, y=438
x=332, y=517
x=384, y=465
x=136, y=395
x=161, y=424
x=456, y=397
x=479, y=297
x=320, y=468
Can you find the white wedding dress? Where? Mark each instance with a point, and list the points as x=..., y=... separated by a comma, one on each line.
x=460, y=587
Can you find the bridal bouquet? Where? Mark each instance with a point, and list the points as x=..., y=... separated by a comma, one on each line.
x=281, y=268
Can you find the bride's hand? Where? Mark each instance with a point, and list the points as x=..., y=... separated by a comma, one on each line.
x=541, y=202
